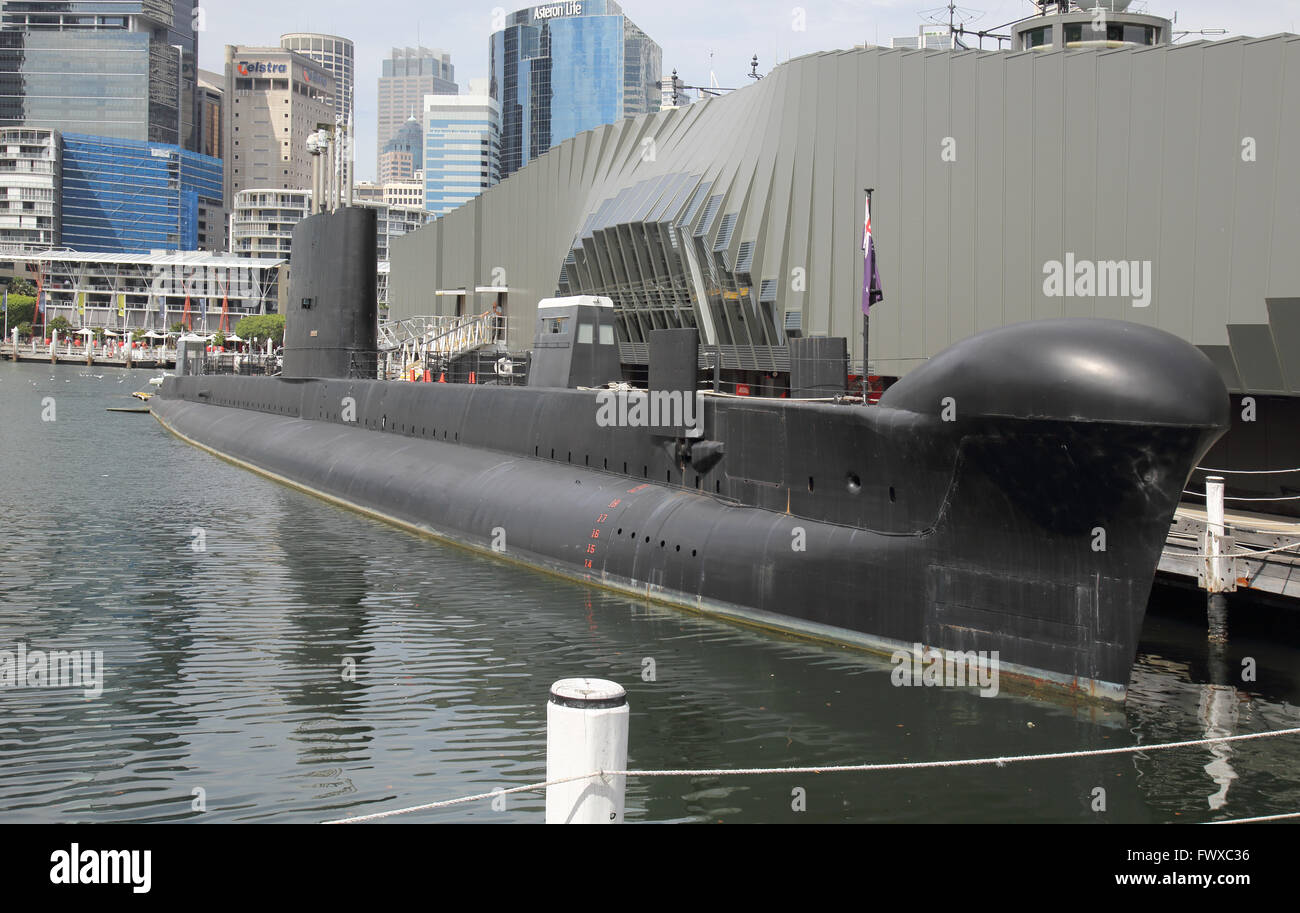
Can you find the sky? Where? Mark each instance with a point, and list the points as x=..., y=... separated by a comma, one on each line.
x=720, y=36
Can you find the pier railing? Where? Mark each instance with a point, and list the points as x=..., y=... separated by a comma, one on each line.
x=75, y=351
x=433, y=338
x=243, y=364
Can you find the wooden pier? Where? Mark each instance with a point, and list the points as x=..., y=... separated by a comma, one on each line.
x=1276, y=573
x=69, y=353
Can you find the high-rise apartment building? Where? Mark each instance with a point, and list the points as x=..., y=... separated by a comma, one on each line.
x=262, y=221
x=562, y=68
x=126, y=68
x=407, y=76
x=31, y=161
x=461, y=149
x=274, y=100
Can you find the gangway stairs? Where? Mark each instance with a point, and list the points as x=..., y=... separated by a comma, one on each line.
x=424, y=342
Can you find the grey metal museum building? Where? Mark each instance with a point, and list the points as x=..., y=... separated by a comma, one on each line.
x=1114, y=175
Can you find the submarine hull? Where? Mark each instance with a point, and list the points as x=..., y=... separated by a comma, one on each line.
x=1032, y=535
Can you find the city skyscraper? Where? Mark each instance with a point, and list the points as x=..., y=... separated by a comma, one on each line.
x=212, y=93
x=403, y=155
x=336, y=55
x=407, y=76
x=124, y=69
x=563, y=68
x=461, y=152
x=274, y=100
x=333, y=53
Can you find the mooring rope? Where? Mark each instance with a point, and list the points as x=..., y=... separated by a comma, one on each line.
x=1256, y=818
x=1248, y=472
x=835, y=768
x=1263, y=551
x=1201, y=494
x=447, y=803
x=1252, y=554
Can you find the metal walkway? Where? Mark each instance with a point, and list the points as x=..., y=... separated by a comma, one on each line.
x=429, y=340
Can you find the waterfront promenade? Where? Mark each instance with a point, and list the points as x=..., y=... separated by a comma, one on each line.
x=72, y=351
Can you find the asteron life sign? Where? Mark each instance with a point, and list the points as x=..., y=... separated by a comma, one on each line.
x=572, y=8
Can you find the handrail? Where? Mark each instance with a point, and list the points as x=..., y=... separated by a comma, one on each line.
x=442, y=336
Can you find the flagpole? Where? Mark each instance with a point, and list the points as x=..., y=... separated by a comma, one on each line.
x=866, y=320
x=40, y=301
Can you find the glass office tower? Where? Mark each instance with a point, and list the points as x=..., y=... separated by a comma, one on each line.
x=461, y=149
x=128, y=196
x=126, y=69
x=562, y=68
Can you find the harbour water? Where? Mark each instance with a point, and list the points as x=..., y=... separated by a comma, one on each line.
x=271, y=657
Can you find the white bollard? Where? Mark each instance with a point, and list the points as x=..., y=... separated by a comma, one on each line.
x=586, y=730
x=1216, y=601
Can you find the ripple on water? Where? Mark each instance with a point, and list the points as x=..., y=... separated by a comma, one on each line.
x=309, y=663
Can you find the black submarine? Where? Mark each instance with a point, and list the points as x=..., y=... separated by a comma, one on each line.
x=1013, y=494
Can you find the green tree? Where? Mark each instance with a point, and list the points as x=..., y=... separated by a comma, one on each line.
x=218, y=339
x=22, y=309
x=25, y=329
x=62, y=324
x=178, y=327
x=262, y=326
x=22, y=287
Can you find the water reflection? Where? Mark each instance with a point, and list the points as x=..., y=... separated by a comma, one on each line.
x=227, y=671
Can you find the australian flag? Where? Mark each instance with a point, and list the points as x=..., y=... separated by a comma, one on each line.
x=871, y=290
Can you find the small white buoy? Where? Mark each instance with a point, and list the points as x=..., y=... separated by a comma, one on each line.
x=586, y=730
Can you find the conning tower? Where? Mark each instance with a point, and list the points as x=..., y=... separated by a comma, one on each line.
x=332, y=318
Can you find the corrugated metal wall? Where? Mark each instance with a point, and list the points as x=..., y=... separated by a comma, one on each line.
x=1133, y=154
